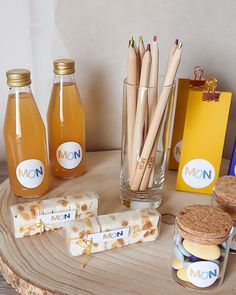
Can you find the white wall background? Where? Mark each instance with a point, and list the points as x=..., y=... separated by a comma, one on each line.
x=96, y=33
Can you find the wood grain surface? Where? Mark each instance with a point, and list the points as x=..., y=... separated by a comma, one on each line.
x=41, y=265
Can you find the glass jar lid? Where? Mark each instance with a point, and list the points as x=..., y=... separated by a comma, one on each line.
x=18, y=77
x=204, y=224
x=64, y=66
x=225, y=190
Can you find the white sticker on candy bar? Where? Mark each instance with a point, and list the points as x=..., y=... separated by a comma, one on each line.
x=203, y=273
x=57, y=217
x=109, y=235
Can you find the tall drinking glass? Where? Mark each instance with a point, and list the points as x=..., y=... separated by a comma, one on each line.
x=139, y=106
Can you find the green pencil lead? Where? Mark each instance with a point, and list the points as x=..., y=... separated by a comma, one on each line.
x=141, y=39
x=132, y=42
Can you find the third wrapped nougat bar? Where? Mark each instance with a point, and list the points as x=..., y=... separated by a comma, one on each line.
x=54, y=213
x=113, y=230
x=77, y=232
x=115, y=221
x=144, y=225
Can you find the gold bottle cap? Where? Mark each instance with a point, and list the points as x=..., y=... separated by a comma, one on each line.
x=18, y=77
x=64, y=66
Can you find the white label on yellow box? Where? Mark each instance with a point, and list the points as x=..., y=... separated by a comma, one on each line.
x=109, y=235
x=58, y=217
x=198, y=173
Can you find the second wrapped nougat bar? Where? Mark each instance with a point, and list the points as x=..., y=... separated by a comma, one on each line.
x=112, y=222
x=112, y=230
x=53, y=213
x=77, y=232
x=144, y=226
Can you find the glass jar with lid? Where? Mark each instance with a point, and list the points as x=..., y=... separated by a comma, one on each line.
x=201, y=245
x=224, y=196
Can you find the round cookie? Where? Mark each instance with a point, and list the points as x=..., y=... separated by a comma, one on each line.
x=203, y=223
x=177, y=264
x=182, y=274
x=206, y=252
x=178, y=254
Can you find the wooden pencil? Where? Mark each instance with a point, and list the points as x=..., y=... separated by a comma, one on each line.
x=140, y=113
x=147, y=180
x=155, y=124
x=131, y=97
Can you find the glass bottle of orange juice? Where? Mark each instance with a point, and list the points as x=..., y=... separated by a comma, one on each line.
x=25, y=139
x=66, y=123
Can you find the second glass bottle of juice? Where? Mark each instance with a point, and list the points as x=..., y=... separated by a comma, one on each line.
x=66, y=123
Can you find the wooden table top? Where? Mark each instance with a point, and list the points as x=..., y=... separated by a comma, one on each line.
x=159, y=280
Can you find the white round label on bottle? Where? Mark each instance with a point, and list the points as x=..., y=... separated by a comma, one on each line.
x=177, y=151
x=69, y=154
x=198, y=173
x=203, y=273
x=30, y=173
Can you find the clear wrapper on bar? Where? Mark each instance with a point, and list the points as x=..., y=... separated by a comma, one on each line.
x=112, y=231
x=31, y=218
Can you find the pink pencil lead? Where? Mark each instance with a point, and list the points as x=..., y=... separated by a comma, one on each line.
x=155, y=38
x=148, y=47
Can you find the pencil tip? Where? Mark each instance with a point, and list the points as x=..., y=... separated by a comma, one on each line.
x=148, y=47
x=155, y=38
x=129, y=43
x=141, y=38
x=177, y=41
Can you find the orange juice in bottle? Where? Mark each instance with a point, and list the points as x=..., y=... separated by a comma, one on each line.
x=25, y=139
x=66, y=123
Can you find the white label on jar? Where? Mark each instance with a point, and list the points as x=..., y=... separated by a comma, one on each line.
x=30, y=173
x=177, y=151
x=198, y=173
x=203, y=273
x=58, y=217
x=69, y=154
x=233, y=242
x=109, y=235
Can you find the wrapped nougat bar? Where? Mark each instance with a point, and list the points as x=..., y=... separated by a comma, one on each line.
x=85, y=204
x=24, y=219
x=113, y=230
x=77, y=232
x=144, y=226
x=35, y=217
x=115, y=221
x=56, y=205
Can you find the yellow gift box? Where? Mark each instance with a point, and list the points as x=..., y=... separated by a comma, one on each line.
x=203, y=139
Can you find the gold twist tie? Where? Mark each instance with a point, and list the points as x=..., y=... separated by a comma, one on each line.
x=86, y=244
